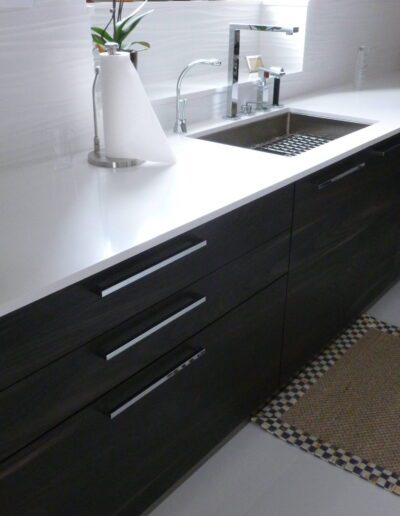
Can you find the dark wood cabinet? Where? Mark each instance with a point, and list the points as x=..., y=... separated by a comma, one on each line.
x=344, y=245
x=333, y=205
x=326, y=294
x=385, y=157
x=69, y=384
x=113, y=388
x=48, y=329
x=118, y=448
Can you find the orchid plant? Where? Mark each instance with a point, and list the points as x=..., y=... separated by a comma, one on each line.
x=121, y=28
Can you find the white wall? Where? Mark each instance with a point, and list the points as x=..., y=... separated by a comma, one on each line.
x=45, y=70
x=280, y=49
x=335, y=30
x=184, y=31
x=46, y=63
x=181, y=32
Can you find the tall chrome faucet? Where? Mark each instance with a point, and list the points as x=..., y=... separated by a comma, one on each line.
x=234, y=55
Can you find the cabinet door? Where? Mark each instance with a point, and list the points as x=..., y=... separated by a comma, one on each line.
x=133, y=443
x=331, y=206
x=326, y=295
x=343, y=254
x=385, y=157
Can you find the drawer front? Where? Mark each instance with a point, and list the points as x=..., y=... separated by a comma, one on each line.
x=48, y=329
x=389, y=151
x=334, y=205
x=325, y=296
x=385, y=157
x=69, y=384
x=115, y=450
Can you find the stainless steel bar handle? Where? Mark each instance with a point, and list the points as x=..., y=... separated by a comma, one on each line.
x=125, y=406
x=386, y=152
x=154, y=329
x=341, y=176
x=164, y=263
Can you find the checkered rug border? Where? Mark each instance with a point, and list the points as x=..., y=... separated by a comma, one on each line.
x=269, y=418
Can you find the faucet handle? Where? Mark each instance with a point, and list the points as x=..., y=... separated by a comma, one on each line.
x=263, y=74
x=247, y=108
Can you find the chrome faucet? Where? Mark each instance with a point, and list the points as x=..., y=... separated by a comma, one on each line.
x=234, y=55
x=262, y=89
x=263, y=96
x=180, y=122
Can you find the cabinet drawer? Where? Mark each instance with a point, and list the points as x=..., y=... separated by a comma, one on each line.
x=385, y=157
x=67, y=385
x=389, y=151
x=326, y=296
x=343, y=251
x=49, y=328
x=117, y=448
x=333, y=206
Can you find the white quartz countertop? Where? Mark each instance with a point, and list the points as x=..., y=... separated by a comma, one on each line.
x=60, y=223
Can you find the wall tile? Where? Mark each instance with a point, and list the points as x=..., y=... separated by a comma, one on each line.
x=46, y=65
x=45, y=71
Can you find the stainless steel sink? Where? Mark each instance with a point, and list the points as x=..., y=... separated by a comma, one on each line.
x=288, y=134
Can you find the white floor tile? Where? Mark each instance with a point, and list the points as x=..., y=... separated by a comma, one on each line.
x=232, y=478
x=315, y=488
x=387, y=309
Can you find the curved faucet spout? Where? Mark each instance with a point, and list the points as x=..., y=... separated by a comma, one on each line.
x=180, y=122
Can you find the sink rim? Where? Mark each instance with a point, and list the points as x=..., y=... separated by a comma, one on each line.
x=226, y=124
x=266, y=129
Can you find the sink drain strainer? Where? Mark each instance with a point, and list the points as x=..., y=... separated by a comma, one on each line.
x=291, y=145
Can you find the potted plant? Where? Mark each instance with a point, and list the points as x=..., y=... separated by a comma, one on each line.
x=118, y=29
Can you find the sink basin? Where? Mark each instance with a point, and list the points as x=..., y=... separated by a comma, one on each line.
x=287, y=134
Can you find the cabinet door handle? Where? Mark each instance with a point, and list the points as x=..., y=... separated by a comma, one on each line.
x=341, y=176
x=386, y=152
x=146, y=272
x=157, y=327
x=120, y=409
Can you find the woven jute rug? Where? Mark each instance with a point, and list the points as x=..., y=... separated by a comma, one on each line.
x=346, y=411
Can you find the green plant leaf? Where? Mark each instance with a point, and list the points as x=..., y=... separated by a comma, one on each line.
x=143, y=44
x=123, y=31
x=102, y=33
x=122, y=22
x=98, y=40
x=138, y=9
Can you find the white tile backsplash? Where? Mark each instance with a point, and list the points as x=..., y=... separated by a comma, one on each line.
x=335, y=30
x=46, y=67
x=45, y=72
x=184, y=31
x=15, y=4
